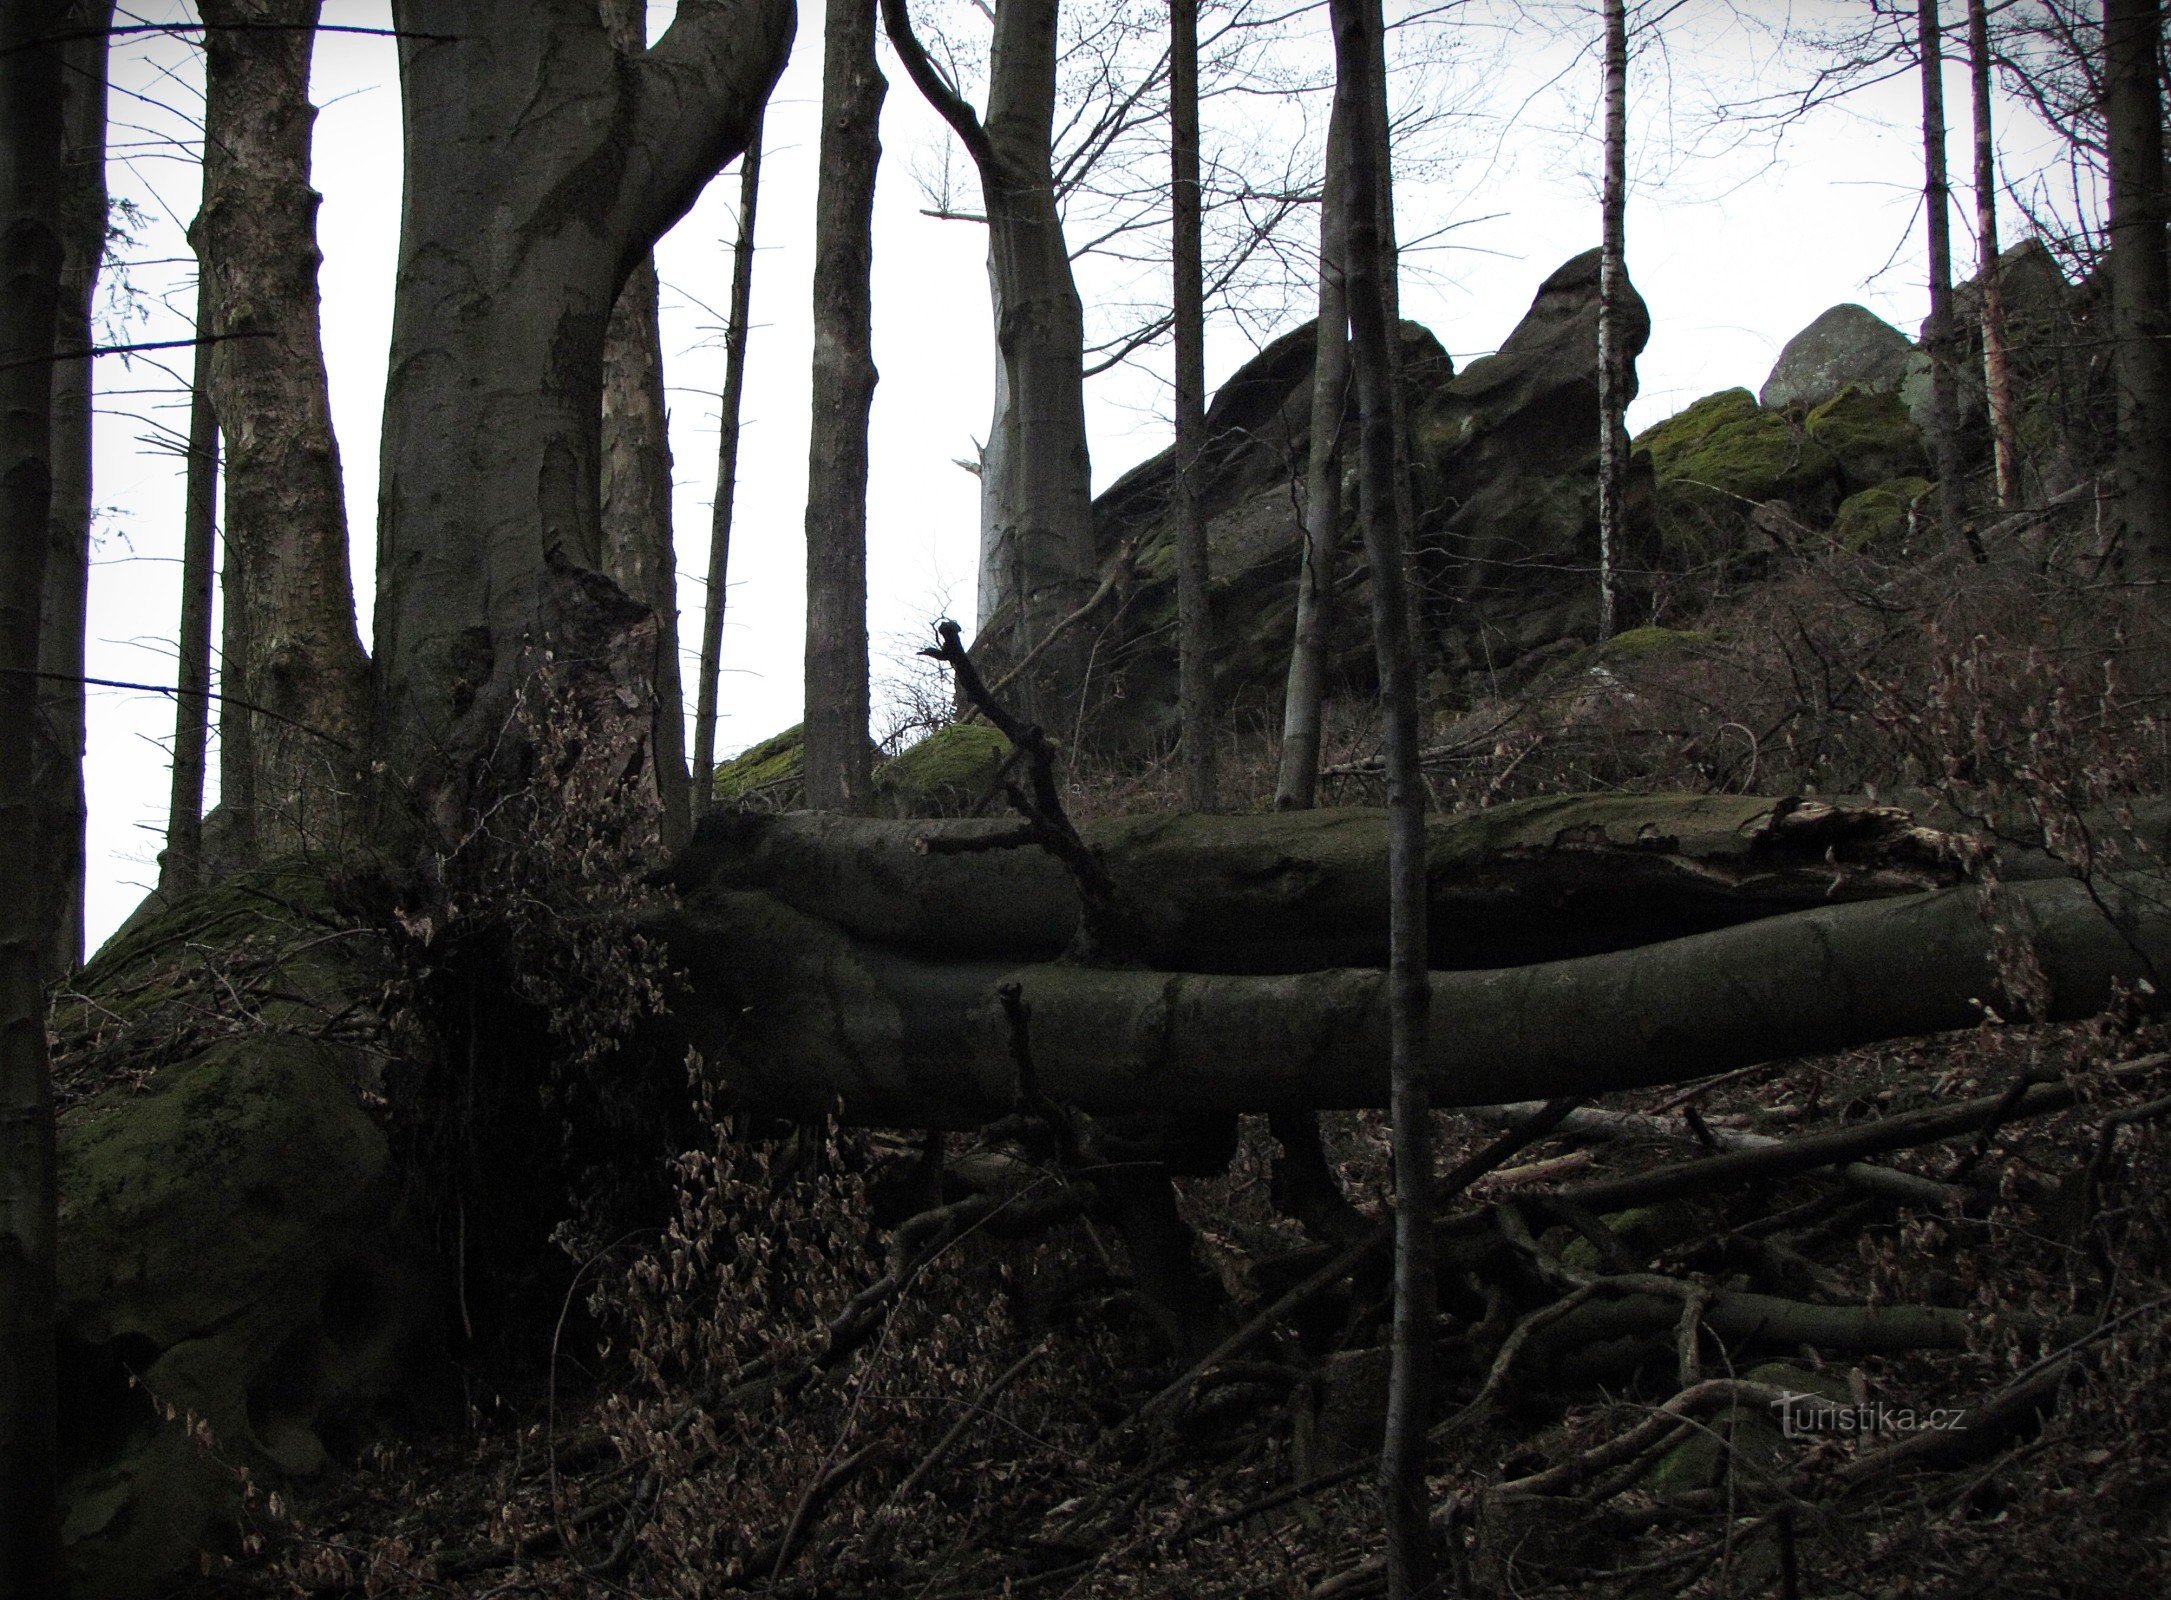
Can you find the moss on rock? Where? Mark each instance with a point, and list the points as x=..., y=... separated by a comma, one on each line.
x=1722, y=456
x=768, y=775
x=1870, y=435
x=944, y=774
x=1877, y=515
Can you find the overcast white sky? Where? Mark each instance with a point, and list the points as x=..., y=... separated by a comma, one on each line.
x=1733, y=251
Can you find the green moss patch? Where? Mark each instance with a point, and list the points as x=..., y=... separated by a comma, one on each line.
x=1879, y=515
x=945, y=774
x=770, y=772
x=1722, y=456
x=1871, y=436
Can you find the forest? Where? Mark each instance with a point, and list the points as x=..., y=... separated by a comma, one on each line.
x=1431, y=996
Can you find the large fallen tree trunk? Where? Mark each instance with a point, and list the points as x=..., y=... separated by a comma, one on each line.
x=806, y=1017
x=1538, y=880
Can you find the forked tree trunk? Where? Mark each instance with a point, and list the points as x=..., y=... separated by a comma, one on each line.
x=1296, y=784
x=180, y=869
x=1612, y=279
x=1194, y=567
x=2140, y=284
x=58, y=774
x=839, y=763
x=32, y=255
x=1997, y=370
x=555, y=162
x=1359, y=50
x=727, y=476
x=1938, y=338
x=1037, y=557
x=286, y=516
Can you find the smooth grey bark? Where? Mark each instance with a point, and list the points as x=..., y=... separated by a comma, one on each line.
x=1938, y=334
x=1612, y=279
x=33, y=229
x=839, y=759
x=555, y=162
x=1194, y=568
x=2140, y=282
x=1359, y=48
x=180, y=869
x=286, y=518
x=58, y=773
x=1997, y=369
x=811, y=1018
x=1296, y=782
x=731, y=404
x=1037, y=558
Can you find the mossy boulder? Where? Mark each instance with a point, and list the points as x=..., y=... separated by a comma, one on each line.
x=945, y=774
x=226, y=1251
x=1743, y=1438
x=1878, y=515
x=769, y=776
x=1722, y=457
x=1847, y=345
x=1870, y=435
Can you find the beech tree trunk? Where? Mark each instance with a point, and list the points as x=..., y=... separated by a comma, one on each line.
x=1194, y=567
x=1296, y=783
x=1938, y=339
x=180, y=869
x=727, y=476
x=1997, y=370
x=286, y=517
x=58, y=772
x=1037, y=559
x=2140, y=284
x=555, y=164
x=33, y=253
x=1612, y=279
x=839, y=760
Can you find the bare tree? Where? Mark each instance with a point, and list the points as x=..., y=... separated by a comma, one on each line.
x=1997, y=371
x=839, y=759
x=1194, y=572
x=727, y=475
x=286, y=518
x=33, y=251
x=180, y=869
x=1612, y=279
x=1296, y=783
x=1939, y=334
x=2140, y=284
x=1358, y=44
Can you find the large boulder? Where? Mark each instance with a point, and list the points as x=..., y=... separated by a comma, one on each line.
x=1720, y=460
x=1507, y=465
x=1848, y=344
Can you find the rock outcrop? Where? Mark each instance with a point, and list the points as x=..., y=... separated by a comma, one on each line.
x=1848, y=344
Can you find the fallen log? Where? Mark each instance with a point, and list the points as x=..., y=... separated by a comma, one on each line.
x=1296, y=891
x=809, y=1019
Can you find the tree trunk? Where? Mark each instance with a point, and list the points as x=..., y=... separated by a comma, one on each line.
x=33, y=228
x=1194, y=568
x=1997, y=371
x=1037, y=557
x=1938, y=339
x=812, y=1018
x=180, y=869
x=1612, y=278
x=1296, y=784
x=2140, y=285
x=58, y=759
x=555, y=164
x=1359, y=48
x=236, y=839
x=727, y=475
x=839, y=761
x=286, y=517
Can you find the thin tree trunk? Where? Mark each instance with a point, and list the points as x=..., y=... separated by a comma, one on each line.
x=727, y=476
x=32, y=257
x=1296, y=784
x=181, y=868
x=1997, y=371
x=1938, y=334
x=555, y=163
x=1037, y=555
x=236, y=839
x=1390, y=273
x=839, y=767
x=58, y=772
x=286, y=513
x=2140, y=286
x=1358, y=39
x=1612, y=276
x=1194, y=569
